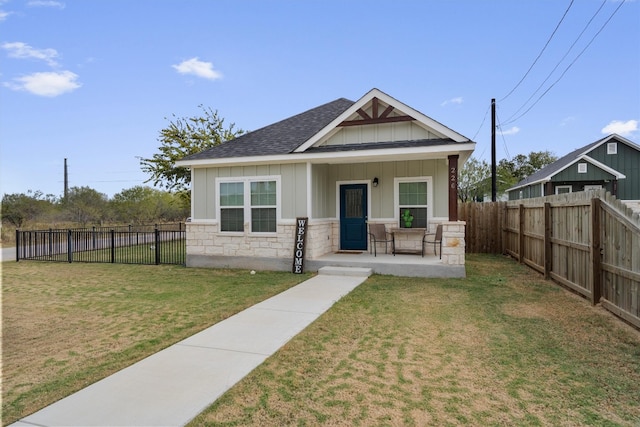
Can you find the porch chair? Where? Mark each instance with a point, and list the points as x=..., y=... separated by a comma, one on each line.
x=378, y=234
x=435, y=238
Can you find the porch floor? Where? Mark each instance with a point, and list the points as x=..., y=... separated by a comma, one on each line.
x=398, y=265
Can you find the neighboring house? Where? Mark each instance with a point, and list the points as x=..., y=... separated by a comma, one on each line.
x=341, y=165
x=612, y=163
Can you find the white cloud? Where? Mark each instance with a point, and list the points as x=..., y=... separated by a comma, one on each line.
x=458, y=100
x=48, y=84
x=4, y=15
x=24, y=51
x=620, y=127
x=46, y=3
x=198, y=68
x=511, y=131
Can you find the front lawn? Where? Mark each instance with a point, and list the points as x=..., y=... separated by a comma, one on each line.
x=500, y=347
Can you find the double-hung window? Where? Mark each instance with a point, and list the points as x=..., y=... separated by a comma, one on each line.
x=414, y=196
x=252, y=200
x=263, y=207
x=232, y=206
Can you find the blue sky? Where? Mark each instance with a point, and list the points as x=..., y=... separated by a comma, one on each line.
x=95, y=81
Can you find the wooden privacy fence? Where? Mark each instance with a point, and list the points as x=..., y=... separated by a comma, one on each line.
x=587, y=241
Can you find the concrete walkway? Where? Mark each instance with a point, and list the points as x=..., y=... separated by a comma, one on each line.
x=172, y=387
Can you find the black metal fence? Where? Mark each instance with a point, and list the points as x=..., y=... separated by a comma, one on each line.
x=155, y=244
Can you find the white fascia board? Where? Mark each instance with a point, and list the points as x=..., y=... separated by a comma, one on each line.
x=375, y=155
x=376, y=93
x=621, y=139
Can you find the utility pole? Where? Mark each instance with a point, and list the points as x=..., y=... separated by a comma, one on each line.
x=493, y=150
x=66, y=180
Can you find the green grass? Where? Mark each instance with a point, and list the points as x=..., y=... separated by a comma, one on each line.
x=66, y=326
x=500, y=347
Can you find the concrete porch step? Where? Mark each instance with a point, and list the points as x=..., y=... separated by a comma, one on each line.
x=345, y=271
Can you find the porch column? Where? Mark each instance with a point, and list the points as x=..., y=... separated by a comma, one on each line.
x=453, y=187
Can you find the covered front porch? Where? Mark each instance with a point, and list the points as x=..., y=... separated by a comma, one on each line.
x=399, y=265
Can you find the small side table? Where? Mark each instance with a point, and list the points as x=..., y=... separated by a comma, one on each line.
x=419, y=232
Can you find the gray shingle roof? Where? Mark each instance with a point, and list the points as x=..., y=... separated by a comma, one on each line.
x=555, y=167
x=279, y=138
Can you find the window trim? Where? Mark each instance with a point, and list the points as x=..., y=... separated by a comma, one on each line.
x=558, y=187
x=612, y=148
x=396, y=196
x=247, y=180
x=582, y=168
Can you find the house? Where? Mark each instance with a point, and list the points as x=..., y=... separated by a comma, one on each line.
x=336, y=167
x=612, y=163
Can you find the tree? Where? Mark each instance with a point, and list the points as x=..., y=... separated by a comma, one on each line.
x=474, y=180
x=86, y=205
x=183, y=137
x=144, y=205
x=19, y=208
x=521, y=166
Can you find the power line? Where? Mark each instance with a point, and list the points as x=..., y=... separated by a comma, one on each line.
x=481, y=124
x=570, y=65
x=540, y=54
x=559, y=62
x=504, y=141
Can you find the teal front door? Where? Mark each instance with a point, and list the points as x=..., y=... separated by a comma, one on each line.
x=353, y=217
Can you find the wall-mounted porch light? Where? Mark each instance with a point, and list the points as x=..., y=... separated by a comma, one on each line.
x=375, y=181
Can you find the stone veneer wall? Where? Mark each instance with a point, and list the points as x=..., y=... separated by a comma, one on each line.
x=204, y=239
x=322, y=238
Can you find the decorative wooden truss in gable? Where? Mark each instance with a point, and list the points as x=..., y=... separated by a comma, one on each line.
x=376, y=117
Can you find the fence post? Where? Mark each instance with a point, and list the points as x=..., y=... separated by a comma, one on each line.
x=17, y=245
x=521, y=233
x=113, y=246
x=547, y=240
x=596, y=256
x=69, y=246
x=157, y=239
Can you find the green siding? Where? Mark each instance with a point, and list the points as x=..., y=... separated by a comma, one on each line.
x=571, y=174
x=626, y=161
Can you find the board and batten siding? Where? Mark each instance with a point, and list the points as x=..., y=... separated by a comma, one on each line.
x=401, y=131
x=325, y=178
x=594, y=173
x=293, y=181
x=627, y=161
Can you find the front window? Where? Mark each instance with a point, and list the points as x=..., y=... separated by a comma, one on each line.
x=263, y=207
x=413, y=203
x=250, y=198
x=563, y=189
x=232, y=206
